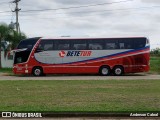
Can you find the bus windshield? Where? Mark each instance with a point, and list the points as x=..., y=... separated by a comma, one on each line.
x=27, y=45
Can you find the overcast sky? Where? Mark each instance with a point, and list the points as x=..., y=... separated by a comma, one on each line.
x=87, y=18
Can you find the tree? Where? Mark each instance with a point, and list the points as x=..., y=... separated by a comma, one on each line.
x=6, y=33
x=155, y=52
x=0, y=50
x=15, y=38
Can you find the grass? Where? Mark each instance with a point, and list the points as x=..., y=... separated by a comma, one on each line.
x=6, y=70
x=155, y=65
x=96, y=95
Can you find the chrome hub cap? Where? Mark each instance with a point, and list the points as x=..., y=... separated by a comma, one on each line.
x=104, y=71
x=118, y=71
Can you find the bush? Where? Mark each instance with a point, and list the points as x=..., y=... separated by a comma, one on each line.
x=155, y=52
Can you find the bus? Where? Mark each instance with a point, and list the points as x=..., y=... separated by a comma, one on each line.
x=106, y=56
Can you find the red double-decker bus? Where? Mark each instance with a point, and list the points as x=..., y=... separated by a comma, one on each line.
x=39, y=56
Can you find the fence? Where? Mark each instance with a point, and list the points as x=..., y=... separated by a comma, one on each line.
x=6, y=60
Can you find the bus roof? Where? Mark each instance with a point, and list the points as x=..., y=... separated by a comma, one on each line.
x=70, y=38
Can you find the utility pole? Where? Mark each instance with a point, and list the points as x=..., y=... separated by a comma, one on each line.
x=16, y=11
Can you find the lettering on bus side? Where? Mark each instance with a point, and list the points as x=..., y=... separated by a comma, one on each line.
x=75, y=53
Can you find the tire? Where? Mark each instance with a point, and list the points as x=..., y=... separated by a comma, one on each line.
x=105, y=70
x=118, y=70
x=37, y=71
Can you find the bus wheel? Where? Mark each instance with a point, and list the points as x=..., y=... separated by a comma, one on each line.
x=37, y=71
x=118, y=70
x=104, y=70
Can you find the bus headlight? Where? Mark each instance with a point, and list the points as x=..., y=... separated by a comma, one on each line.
x=26, y=66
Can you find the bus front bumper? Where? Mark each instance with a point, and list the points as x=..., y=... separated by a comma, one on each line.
x=21, y=69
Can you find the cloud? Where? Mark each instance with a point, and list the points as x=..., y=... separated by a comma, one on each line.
x=80, y=2
x=151, y=1
x=98, y=21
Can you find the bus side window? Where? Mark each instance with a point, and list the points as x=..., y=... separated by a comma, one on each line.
x=79, y=44
x=45, y=45
x=95, y=46
x=121, y=45
x=39, y=48
x=128, y=46
x=111, y=46
x=139, y=43
x=81, y=47
x=48, y=47
x=63, y=47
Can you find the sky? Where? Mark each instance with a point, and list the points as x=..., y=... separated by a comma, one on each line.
x=86, y=18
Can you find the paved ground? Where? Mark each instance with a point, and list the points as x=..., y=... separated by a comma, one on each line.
x=82, y=77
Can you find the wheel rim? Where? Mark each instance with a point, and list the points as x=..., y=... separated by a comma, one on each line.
x=105, y=71
x=118, y=71
x=37, y=72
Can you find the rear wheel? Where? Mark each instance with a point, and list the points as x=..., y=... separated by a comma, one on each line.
x=104, y=70
x=118, y=70
x=37, y=71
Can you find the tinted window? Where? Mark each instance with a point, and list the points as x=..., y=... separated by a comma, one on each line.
x=139, y=43
x=22, y=56
x=28, y=43
x=126, y=43
x=71, y=44
x=46, y=45
x=95, y=44
x=62, y=44
x=111, y=44
x=79, y=44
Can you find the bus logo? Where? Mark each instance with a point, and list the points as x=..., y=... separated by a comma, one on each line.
x=62, y=54
x=75, y=53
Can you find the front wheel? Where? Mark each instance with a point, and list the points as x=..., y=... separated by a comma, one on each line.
x=118, y=70
x=104, y=70
x=37, y=71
